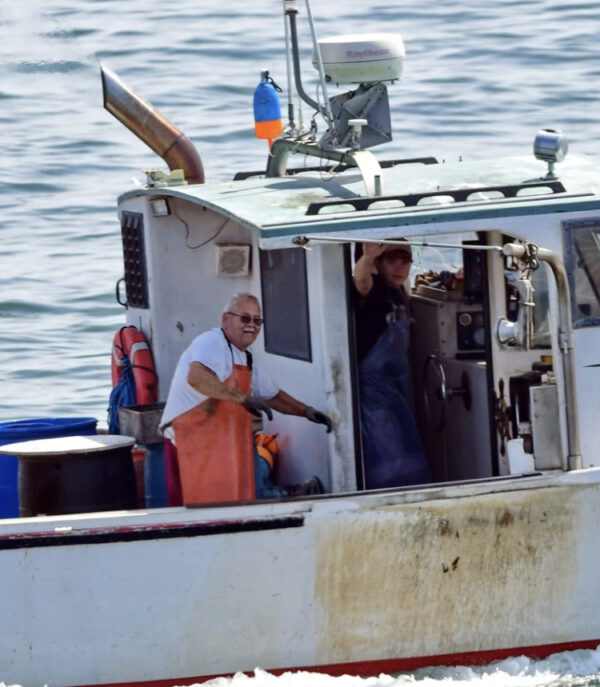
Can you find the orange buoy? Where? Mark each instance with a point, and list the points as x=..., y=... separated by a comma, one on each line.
x=267, y=110
x=266, y=447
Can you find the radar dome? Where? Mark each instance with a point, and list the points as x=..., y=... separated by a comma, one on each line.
x=361, y=58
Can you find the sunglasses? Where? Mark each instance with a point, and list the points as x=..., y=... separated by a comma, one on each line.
x=246, y=319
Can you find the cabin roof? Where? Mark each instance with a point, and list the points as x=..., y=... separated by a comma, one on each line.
x=276, y=207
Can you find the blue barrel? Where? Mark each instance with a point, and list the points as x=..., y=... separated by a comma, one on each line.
x=26, y=430
x=155, y=479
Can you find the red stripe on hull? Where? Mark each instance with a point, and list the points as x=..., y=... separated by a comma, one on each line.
x=388, y=665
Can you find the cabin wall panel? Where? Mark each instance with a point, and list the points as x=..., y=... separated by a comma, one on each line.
x=187, y=296
x=304, y=446
x=333, y=333
x=587, y=361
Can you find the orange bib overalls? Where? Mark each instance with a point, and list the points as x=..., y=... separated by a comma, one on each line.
x=215, y=449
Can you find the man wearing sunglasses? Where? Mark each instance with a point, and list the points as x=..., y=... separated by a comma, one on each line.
x=216, y=389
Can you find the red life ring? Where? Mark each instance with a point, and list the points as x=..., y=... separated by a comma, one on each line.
x=130, y=341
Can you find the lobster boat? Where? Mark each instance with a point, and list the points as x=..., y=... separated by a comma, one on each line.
x=496, y=555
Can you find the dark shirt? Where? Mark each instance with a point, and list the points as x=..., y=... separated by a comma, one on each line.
x=373, y=312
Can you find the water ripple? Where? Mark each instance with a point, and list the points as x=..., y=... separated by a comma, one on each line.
x=46, y=66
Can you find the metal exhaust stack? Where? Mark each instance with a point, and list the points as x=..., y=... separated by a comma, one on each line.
x=165, y=139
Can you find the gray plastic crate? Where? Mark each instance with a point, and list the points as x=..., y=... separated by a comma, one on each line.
x=141, y=422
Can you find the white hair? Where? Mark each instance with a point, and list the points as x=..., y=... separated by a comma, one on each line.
x=241, y=296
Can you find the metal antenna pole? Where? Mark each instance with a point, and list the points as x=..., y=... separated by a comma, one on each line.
x=321, y=70
x=288, y=63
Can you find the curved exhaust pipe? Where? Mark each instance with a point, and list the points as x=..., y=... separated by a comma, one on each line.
x=165, y=139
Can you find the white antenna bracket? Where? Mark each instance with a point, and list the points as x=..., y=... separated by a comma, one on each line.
x=370, y=170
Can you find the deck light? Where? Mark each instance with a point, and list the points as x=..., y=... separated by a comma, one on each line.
x=551, y=146
x=160, y=207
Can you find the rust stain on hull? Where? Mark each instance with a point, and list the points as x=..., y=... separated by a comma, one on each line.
x=461, y=574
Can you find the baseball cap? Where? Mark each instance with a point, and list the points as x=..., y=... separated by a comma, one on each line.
x=398, y=247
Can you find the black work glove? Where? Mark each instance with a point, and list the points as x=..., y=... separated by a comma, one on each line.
x=317, y=416
x=255, y=407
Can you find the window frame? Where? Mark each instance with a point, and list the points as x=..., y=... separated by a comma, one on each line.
x=272, y=324
x=571, y=259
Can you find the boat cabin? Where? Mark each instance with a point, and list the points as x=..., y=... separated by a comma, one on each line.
x=494, y=359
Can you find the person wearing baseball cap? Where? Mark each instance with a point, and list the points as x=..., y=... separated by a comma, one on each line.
x=393, y=454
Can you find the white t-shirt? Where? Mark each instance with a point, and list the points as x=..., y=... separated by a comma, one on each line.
x=212, y=350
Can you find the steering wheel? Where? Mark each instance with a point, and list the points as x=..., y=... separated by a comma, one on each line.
x=435, y=399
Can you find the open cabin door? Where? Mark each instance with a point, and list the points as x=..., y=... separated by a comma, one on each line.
x=304, y=298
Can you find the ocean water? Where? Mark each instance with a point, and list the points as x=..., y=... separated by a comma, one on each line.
x=566, y=669
x=480, y=78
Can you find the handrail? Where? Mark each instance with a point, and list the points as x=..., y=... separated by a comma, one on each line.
x=459, y=195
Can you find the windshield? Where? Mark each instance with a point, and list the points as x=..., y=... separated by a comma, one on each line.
x=582, y=242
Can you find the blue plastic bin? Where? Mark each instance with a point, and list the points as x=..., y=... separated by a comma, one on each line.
x=26, y=430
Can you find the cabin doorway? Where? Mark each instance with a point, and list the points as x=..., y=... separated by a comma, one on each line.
x=450, y=361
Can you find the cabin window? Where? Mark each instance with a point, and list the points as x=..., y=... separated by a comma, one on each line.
x=582, y=243
x=449, y=258
x=456, y=273
x=285, y=303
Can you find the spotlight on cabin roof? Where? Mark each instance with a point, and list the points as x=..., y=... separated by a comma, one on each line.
x=551, y=146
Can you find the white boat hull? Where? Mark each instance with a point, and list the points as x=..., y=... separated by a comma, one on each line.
x=356, y=583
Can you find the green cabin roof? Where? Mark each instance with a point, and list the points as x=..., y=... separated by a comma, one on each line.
x=276, y=207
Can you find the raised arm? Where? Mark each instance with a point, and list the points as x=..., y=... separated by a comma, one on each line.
x=363, y=269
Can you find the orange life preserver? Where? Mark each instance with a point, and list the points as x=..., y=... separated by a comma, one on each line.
x=130, y=341
x=266, y=447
